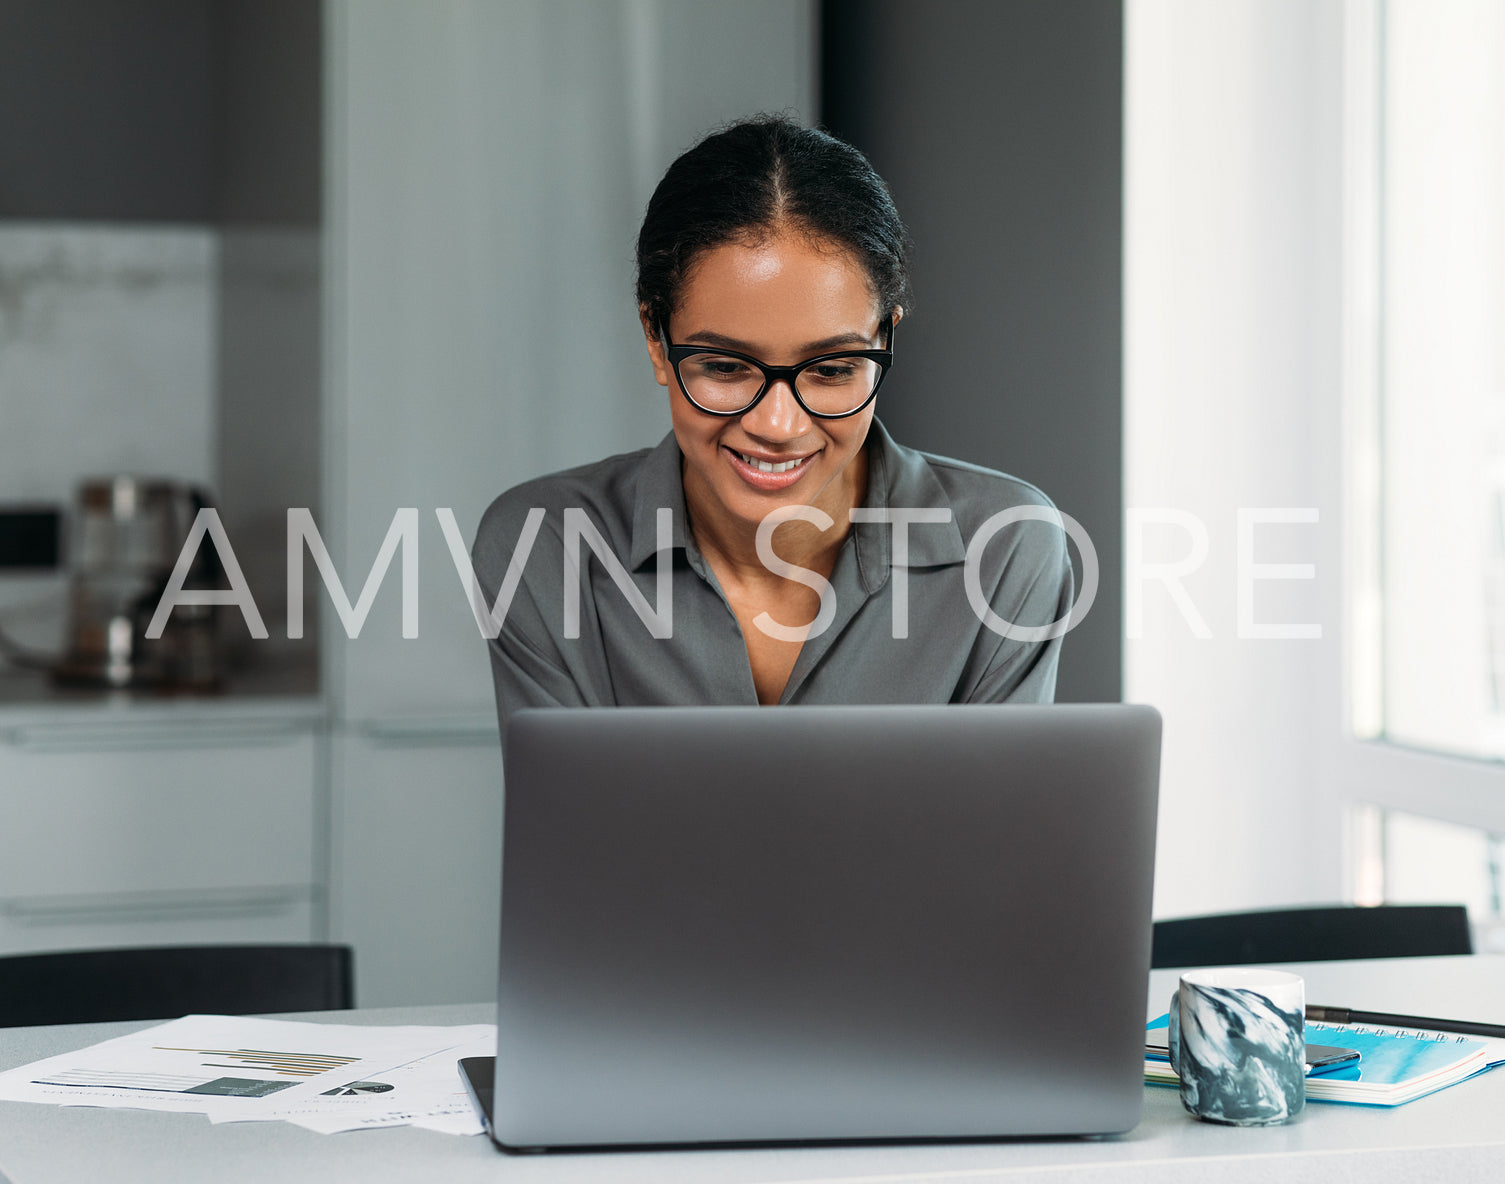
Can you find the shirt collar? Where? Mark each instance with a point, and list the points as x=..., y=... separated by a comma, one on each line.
x=659, y=484
x=897, y=476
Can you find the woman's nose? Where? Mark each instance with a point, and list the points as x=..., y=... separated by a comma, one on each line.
x=778, y=415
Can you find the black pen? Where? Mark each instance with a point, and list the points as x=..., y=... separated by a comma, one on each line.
x=1349, y=1015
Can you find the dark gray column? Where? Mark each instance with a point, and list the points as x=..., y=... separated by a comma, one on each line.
x=998, y=126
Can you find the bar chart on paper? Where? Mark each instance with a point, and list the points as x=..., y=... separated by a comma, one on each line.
x=295, y=1066
x=229, y=1087
x=289, y=1064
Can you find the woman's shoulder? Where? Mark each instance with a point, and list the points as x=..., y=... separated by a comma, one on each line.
x=606, y=490
x=975, y=492
x=976, y=495
x=601, y=485
x=989, y=487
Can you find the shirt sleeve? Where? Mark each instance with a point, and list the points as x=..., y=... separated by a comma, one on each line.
x=527, y=668
x=525, y=678
x=1025, y=671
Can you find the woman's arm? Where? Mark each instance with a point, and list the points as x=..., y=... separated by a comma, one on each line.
x=527, y=667
x=1025, y=671
x=525, y=678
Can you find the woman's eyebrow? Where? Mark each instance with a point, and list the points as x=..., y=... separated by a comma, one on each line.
x=707, y=337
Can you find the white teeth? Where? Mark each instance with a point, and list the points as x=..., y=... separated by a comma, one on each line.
x=764, y=466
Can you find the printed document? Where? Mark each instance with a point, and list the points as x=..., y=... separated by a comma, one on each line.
x=326, y=1077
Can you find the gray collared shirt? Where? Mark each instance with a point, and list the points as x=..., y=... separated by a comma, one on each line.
x=950, y=654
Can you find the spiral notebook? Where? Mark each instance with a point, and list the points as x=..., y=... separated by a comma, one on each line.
x=1396, y=1065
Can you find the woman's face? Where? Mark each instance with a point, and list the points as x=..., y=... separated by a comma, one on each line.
x=783, y=301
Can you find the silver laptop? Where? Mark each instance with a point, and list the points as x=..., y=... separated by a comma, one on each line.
x=823, y=923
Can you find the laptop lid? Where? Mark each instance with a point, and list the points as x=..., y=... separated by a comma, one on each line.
x=828, y=923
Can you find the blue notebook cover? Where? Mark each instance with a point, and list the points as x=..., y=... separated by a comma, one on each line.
x=1395, y=1066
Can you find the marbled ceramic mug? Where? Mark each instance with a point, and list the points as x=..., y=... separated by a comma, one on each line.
x=1237, y=1041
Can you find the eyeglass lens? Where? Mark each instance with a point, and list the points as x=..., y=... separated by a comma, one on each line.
x=834, y=386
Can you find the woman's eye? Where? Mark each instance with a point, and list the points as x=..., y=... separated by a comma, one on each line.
x=833, y=372
x=722, y=368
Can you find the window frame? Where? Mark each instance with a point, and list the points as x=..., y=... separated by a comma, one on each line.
x=1371, y=769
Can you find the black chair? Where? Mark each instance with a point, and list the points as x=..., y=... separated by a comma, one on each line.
x=89, y=986
x=1320, y=934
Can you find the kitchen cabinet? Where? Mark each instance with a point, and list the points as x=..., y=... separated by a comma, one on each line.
x=157, y=829
x=159, y=259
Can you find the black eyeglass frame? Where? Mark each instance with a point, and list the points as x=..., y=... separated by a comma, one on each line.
x=771, y=374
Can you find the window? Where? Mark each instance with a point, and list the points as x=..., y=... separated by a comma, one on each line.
x=1425, y=307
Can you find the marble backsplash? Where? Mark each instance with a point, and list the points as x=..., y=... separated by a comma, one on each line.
x=107, y=355
x=107, y=364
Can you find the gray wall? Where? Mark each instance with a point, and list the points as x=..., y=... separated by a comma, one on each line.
x=999, y=129
x=160, y=110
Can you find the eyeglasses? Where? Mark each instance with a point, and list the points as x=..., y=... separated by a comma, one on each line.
x=830, y=386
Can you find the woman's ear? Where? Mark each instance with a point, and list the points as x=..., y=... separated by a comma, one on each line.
x=898, y=314
x=655, y=343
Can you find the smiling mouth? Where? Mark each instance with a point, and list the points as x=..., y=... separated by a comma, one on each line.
x=764, y=466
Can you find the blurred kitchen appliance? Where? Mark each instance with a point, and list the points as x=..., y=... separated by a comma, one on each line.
x=126, y=533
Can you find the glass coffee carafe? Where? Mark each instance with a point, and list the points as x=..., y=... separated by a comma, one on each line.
x=126, y=535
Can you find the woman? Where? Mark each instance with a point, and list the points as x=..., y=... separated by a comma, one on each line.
x=777, y=546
